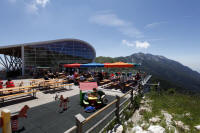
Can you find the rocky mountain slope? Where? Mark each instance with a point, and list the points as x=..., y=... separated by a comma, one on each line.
x=162, y=68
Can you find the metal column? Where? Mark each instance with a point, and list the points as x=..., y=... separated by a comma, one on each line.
x=22, y=57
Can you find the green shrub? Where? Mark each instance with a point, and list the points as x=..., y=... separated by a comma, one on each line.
x=171, y=91
x=137, y=101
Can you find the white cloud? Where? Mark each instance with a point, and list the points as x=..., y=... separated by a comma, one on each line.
x=32, y=8
x=112, y=20
x=153, y=25
x=136, y=44
x=127, y=43
x=41, y=2
x=144, y=44
x=108, y=20
x=131, y=31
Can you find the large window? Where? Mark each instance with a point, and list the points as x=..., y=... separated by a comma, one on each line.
x=54, y=54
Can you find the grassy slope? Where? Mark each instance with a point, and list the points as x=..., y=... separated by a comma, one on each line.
x=176, y=104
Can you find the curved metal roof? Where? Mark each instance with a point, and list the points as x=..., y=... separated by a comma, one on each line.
x=6, y=49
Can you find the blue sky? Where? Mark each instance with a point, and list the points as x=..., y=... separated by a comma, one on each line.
x=114, y=27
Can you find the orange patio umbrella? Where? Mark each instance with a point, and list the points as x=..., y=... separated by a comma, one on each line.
x=117, y=64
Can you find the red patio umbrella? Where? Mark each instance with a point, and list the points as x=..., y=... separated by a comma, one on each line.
x=75, y=65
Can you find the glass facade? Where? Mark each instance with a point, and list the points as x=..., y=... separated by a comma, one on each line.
x=55, y=53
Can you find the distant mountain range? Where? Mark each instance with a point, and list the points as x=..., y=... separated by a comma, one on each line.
x=162, y=68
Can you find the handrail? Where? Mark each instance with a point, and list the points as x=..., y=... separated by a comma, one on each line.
x=124, y=108
x=71, y=129
x=125, y=94
x=105, y=117
x=128, y=92
x=124, y=102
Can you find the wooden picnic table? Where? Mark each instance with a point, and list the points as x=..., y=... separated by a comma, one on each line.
x=92, y=98
x=34, y=80
x=54, y=84
x=90, y=79
x=106, y=80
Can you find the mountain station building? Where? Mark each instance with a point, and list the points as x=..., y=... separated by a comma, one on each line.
x=25, y=58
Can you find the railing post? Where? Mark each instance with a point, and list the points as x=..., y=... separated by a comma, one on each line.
x=79, y=121
x=139, y=89
x=5, y=115
x=132, y=96
x=117, y=109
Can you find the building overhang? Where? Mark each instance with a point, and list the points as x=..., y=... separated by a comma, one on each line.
x=15, y=50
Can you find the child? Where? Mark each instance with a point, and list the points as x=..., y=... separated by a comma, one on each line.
x=63, y=102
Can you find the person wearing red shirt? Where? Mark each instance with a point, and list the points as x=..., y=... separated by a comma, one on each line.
x=10, y=84
x=1, y=84
x=112, y=75
x=75, y=75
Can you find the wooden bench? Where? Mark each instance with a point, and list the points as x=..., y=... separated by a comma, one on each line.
x=12, y=95
x=107, y=85
x=64, y=85
x=46, y=83
x=115, y=83
x=128, y=85
x=24, y=90
x=58, y=85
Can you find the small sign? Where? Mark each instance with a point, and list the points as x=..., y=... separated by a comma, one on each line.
x=88, y=85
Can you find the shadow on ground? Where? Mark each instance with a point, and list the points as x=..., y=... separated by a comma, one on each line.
x=47, y=119
x=16, y=100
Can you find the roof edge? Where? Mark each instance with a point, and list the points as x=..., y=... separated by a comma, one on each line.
x=47, y=42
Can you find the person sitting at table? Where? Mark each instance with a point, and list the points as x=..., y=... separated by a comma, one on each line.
x=94, y=93
x=82, y=78
x=112, y=76
x=10, y=84
x=46, y=77
x=1, y=84
x=71, y=78
x=100, y=96
x=137, y=76
x=76, y=75
x=100, y=76
x=92, y=97
x=21, y=83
